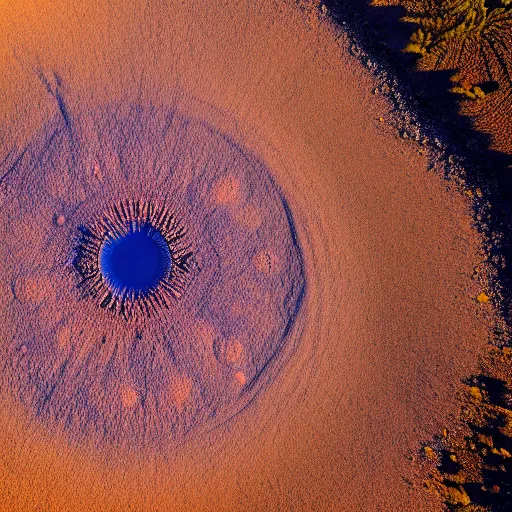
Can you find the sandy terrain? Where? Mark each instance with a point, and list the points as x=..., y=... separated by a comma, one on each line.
x=390, y=323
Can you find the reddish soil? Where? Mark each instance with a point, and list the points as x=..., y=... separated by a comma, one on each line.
x=391, y=323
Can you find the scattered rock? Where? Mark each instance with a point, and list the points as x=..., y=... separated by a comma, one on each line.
x=475, y=392
x=457, y=496
x=483, y=298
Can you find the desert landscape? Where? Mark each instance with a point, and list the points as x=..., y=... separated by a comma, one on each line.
x=326, y=327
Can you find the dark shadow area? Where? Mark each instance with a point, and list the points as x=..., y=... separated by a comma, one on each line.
x=447, y=465
x=489, y=86
x=497, y=4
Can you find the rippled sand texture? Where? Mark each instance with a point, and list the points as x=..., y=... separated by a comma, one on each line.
x=390, y=322
x=474, y=39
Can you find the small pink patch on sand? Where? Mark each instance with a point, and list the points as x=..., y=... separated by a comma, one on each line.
x=63, y=337
x=227, y=191
x=180, y=391
x=241, y=378
x=234, y=351
x=61, y=220
x=129, y=397
x=266, y=262
x=229, y=351
x=33, y=289
x=96, y=171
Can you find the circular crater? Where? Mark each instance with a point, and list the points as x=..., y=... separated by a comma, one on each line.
x=135, y=262
x=133, y=259
x=155, y=278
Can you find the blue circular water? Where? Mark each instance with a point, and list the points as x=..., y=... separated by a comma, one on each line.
x=136, y=261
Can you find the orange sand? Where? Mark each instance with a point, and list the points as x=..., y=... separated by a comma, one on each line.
x=391, y=324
